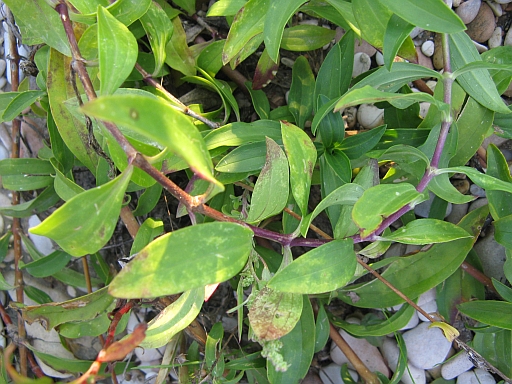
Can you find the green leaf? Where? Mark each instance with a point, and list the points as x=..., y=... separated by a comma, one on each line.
x=322, y=328
x=357, y=145
x=497, y=166
x=347, y=194
x=148, y=200
x=117, y=51
x=298, y=349
x=485, y=181
x=225, y=7
x=397, y=30
x=503, y=290
x=80, y=309
x=25, y=174
x=271, y=189
x=188, y=5
x=477, y=83
x=416, y=274
x=259, y=101
x=4, y=285
x=332, y=128
x=92, y=328
x=21, y=102
x=496, y=348
x=273, y=314
x=210, y=58
x=73, y=131
x=301, y=154
x=301, y=91
x=306, y=37
x=125, y=11
x=265, y=71
x=39, y=23
x=158, y=121
x=339, y=163
x=86, y=222
x=323, y=269
x=379, y=202
x=48, y=265
x=372, y=17
x=276, y=18
x=485, y=311
x=368, y=94
x=248, y=23
x=46, y=199
x=432, y=15
x=235, y=134
x=178, y=54
x=37, y=295
x=146, y=234
x=503, y=234
x=443, y=188
x=173, y=318
x=246, y=158
x=381, y=328
x=335, y=73
x=427, y=231
x=157, y=270
x=159, y=29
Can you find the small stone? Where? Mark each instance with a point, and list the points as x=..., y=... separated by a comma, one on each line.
x=496, y=8
x=71, y=291
x=4, y=153
x=496, y=38
x=331, y=374
x=369, y=116
x=482, y=27
x=468, y=10
x=42, y=244
x=287, y=62
x=477, y=376
x=391, y=352
x=458, y=212
x=456, y=3
x=428, y=48
x=362, y=63
x=424, y=107
x=423, y=209
x=415, y=32
x=432, y=84
x=424, y=61
x=412, y=323
x=492, y=255
x=461, y=185
x=477, y=204
x=503, y=1
x=480, y=47
x=3, y=82
x=456, y=366
x=368, y=353
x=475, y=190
x=426, y=346
x=429, y=307
x=508, y=38
x=350, y=116
x=437, y=59
x=379, y=59
x=3, y=65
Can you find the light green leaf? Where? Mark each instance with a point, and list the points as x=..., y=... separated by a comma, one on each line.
x=158, y=121
x=26, y=174
x=301, y=154
x=46, y=199
x=397, y=30
x=210, y=58
x=477, y=83
x=20, y=102
x=188, y=5
x=442, y=187
x=235, y=134
x=178, y=54
x=474, y=65
x=173, y=318
x=301, y=91
x=248, y=23
x=146, y=234
x=159, y=29
x=323, y=269
x=485, y=181
x=92, y=328
x=298, y=349
x=381, y=328
x=225, y=8
x=485, y=311
x=503, y=234
x=4, y=285
x=276, y=18
x=39, y=23
x=271, y=189
x=347, y=194
x=497, y=166
x=159, y=270
x=357, y=145
x=379, y=202
x=368, y=94
x=117, y=51
x=47, y=265
x=418, y=273
x=306, y=37
x=80, y=309
x=432, y=15
x=245, y=158
x=86, y=222
x=427, y=231
x=372, y=17
x=274, y=314
x=125, y=11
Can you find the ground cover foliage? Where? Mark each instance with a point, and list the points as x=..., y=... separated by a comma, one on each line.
x=100, y=66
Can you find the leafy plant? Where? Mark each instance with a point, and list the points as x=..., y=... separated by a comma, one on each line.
x=134, y=138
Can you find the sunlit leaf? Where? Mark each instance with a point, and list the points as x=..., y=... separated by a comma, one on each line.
x=306, y=37
x=397, y=30
x=427, y=231
x=485, y=311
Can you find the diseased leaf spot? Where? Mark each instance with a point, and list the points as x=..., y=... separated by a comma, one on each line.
x=134, y=114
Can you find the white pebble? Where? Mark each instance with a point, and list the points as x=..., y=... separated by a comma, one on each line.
x=391, y=352
x=496, y=8
x=379, y=58
x=477, y=376
x=495, y=40
x=468, y=10
x=456, y=3
x=3, y=340
x=429, y=307
x=362, y=63
x=480, y=47
x=4, y=153
x=412, y=323
x=456, y=366
x=3, y=81
x=286, y=61
x=508, y=38
x=331, y=374
x=415, y=32
x=3, y=65
x=426, y=347
x=428, y=48
x=432, y=84
x=424, y=107
x=369, y=116
x=368, y=353
x=42, y=244
x=71, y=291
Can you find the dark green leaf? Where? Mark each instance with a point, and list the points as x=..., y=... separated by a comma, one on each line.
x=246, y=158
x=339, y=163
x=485, y=181
x=503, y=234
x=496, y=348
x=157, y=270
x=397, y=30
x=19, y=103
x=48, y=265
x=322, y=328
x=320, y=270
x=332, y=127
x=485, y=311
x=259, y=101
x=497, y=166
x=357, y=145
x=37, y=295
x=300, y=99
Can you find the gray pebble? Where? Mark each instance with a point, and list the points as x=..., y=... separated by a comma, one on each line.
x=492, y=255
x=475, y=190
x=456, y=366
x=391, y=353
x=426, y=347
x=467, y=11
x=477, y=376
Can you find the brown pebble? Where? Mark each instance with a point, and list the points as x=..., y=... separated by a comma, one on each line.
x=482, y=27
x=461, y=185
